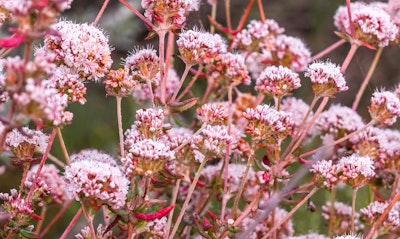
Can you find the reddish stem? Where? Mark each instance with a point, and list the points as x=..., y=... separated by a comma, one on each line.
x=101, y=12
x=138, y=14
x=71, y=224
x=55, y=218
x=329, y=49
x=245, y=15
x=261, y=10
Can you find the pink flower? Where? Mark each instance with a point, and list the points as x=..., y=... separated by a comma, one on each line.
x=268, y=125
x=214, y=113
x=326, y=173
x=326, y=79
x=384, y=108
x=216, y=137
x=277, y=81
x=257, y=35
x=229, y=69
x=297, y=108
x=82, y=47
x=93, y=175
x=197, y=47
x=24, y=141
x=150, y=122
x=355, y=170
x=119, y=83
x=144, y=63
x=67, y=82
x=12, y=41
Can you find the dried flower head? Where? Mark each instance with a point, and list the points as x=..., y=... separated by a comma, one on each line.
x=326, y=79
x=96, y=177
x=267, y=124
x=82, y=47
x=144, y=63
x=146, y=157
x=384, y=108
x=257, y=35
x=229, y=69
x=355, y=170
x=119, y=83
x=277, y=81
x=196, y=47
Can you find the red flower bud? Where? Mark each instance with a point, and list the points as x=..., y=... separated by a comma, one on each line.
x=153, y=216
x=12, y=41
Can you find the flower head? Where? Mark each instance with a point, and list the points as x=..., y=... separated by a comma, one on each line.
x=82, y=47
x=144, y=63
x=326, y=173
x=257, y=35
x=277, y=81
x=197, y=47
x=326, y=79
x=229, y=69
x=95, y=176
x=119, y=83
x=146, y=157
x=214, y=113
x=24, y=141
x=150, y=122
x=268, y=125
x=384, y=108
x=355, y=170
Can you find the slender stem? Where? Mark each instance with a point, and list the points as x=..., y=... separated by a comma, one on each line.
x=89, y=219
x=63, y=147
x=169, y=54
x=185, y=73
x=210, y=86
x=213, y=16
x=261, y=10
x=120, y=130
x=367, y=78
x=353, y=208
x=187, y=200
x=339, y=140
x=227, y=155
x=161, y=46
x=290, y=214
x=72, y=224
x=150, y=86
x=228, y=14
x=44, y=157
x=26, y=167
x=101, y=12
x=189, y=86
x=395, y=185
x=383, y=216
x=329, y=49
x=56, y=160
x=138, y=14
x=332, y=215
x=242, y=183
x=56, y=217
x=349, y=57
x=173, y=201
x=245, y=15
x=348, y=3
x=40, y=222
x=260, y=99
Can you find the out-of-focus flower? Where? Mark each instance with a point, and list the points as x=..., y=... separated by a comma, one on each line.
x=326, y=79
x=101, y=233
x=119, y=83
x=168, y=15
x=51, y=177
x=82, y=47
x=12, y=41
x=229, y=69
x=257, y=35
x=95, y=176
x=298, y=110
x=277, y=81
x=342, y=217
x=384, y=108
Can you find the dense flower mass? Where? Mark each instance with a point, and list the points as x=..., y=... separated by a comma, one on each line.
x=95, y=176
x=355, y=170
x=82, y=47
x=385, y=107
x=230, y=69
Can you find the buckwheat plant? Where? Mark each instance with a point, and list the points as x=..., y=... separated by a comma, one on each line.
x=238, y=131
